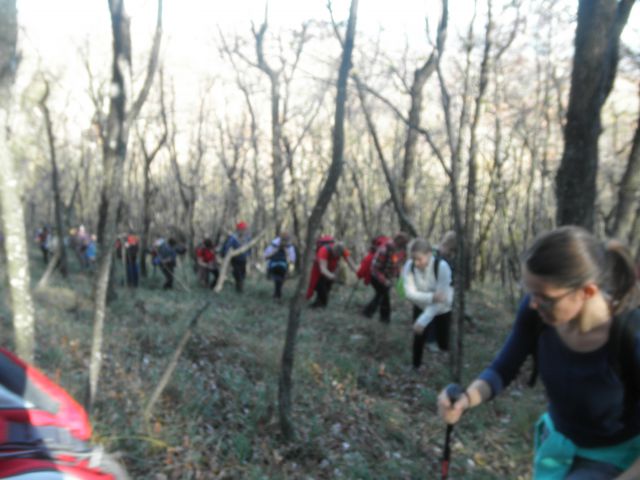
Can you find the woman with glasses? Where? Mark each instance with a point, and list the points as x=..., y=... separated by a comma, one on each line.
x=575, y=286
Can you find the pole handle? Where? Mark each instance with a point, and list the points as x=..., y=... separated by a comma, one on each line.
x=454, y=392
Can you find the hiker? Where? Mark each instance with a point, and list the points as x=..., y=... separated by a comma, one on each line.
x=578, y=291
x=131, y=248
x=279, y=254
x=207, y=264
x=42, y=240
x=364, y=270
x=385, y=269
x=167, y=255
x=433, y=326
x=427, y=285
x=238, y=263
x=153, y=252
x=80, y=239
x=323, y=275
x=90, y=253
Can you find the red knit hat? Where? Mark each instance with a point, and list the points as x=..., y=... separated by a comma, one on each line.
x=241, y=226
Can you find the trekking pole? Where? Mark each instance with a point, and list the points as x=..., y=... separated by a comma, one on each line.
x=454, y=392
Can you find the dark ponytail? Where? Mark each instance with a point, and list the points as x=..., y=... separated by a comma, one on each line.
x=620, y=278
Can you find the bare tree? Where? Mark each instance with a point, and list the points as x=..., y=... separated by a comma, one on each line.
x=188, y=178
x=600, y=23
x=420, y=77
x=148, y=156
x=276, y=126
x=15, y=239
x=621, y=219
x=118, y=122
x=293, y=324
x=55, y=182
x=405, y=221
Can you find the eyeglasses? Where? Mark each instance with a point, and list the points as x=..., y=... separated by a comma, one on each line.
x=544, y=302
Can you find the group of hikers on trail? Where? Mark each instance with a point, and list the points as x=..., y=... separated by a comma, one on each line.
x=579, y=319
x=78, y=239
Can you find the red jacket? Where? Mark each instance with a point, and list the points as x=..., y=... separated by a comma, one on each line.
x=205, y=255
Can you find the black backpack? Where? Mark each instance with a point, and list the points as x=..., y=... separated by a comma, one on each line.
x=279, y=259
x=439, y=258
x=624, y=330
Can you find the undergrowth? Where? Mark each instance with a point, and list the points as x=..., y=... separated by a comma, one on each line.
x=359, y=410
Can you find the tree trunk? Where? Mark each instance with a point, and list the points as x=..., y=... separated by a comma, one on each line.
x=55, y=184
x=15, y=241
x=624, y=210
x=146, y=197
x=420, y=77
x=600, y=23
x=115, y=151
x=405, y=222
x=472, y=170
x=276, y=127
x=146, y=218
x=335, y=170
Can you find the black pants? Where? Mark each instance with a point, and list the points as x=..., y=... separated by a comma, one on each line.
x=440, y=329
x=239, y=268
x=381, y=299
x=167, y=271
x=323, y=287
x=132, y=273
x=277, y=274
x=203, y=276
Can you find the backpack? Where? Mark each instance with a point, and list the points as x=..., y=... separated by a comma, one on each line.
x=44, y=433
x=436, y=254
x=278, y=260
x=624, y=329
x=324, y=241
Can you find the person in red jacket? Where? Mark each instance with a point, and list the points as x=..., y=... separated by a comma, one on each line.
x=207, y=263
x=385, y=269
x=323, y=271
x=364, y=271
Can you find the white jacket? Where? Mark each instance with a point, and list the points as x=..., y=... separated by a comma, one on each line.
x=420, y=285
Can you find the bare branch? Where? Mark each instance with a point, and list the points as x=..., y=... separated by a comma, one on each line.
x=151, y=67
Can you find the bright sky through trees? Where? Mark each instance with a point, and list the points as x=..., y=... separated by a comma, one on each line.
x=55, y=35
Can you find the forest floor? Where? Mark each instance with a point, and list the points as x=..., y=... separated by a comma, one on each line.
x=359, y=409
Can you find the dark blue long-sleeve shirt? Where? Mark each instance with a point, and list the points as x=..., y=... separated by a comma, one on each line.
x=234, y=243
x=585, y=393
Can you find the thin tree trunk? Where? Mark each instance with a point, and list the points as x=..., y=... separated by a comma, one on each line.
x=276, y=127
x=15, y=243
x=472, y=170
x=405, y=221
x=55, y=184
x=146, y=218
x=115, y=151
x=335, y=170
x=173, y=363
x=420, y=77
x=624, y=210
